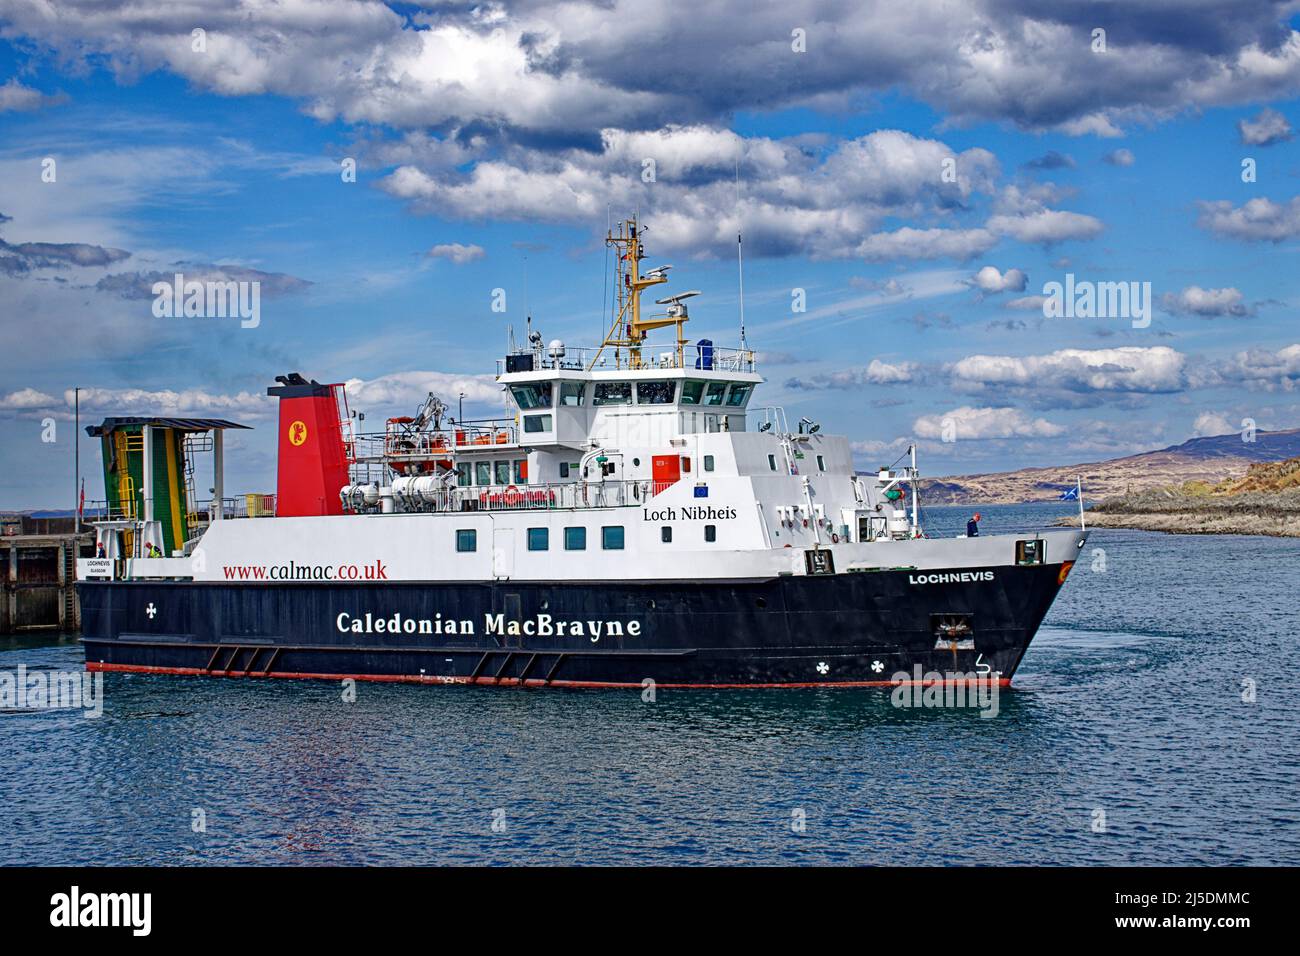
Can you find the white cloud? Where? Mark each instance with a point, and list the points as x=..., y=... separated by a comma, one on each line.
x=1028, y=303
x=1256, y=220
x=26, y=398
x=790, y=202
x=14, y=97
x=1267, y=129
x=876, y=373
x=1262, y=369
x=967, y=423
x=1208, y=424
x=1119, y=157
x=1047, y=226
x=456, y=252
x=1128, y=369
x=183, y=402
x=406, y=390
x=553, y=65
x=1206, y=303
x=990, y=281
x=910, y=243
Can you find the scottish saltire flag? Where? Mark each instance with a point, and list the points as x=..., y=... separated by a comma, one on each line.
x=1069, y=494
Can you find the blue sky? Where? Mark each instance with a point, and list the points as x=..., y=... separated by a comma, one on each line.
x=511, y=132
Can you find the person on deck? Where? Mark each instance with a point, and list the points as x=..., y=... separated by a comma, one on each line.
x=973, y=526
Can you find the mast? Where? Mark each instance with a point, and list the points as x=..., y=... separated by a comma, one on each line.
x=629, y=329
x=916, y=523
x=740, y=265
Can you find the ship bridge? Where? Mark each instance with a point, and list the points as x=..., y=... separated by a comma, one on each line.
x=568, y=399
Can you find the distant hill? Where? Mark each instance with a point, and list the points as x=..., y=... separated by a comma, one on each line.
x=1211, y=460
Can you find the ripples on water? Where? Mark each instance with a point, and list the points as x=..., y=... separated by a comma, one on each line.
x=1129, y=701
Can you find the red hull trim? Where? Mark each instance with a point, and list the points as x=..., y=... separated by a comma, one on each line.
x=97, y=666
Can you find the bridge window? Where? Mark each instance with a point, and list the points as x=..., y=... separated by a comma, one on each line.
x=692, y=390
x=739, y=395
x=502, y=472
x=713, y=394
x=611, y=537
x=575, y=539
x=708, y=462
x=532, y=395
x=482, y=472
x=539, y=539
x=666, y=534
x=655, y=393
x=466, y=539
x=463, y=476
x=521, y=471
x=537, y=423
x=572, y=393
x=710, y=532
x=612, y=393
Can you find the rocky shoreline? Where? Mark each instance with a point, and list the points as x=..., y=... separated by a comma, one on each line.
x=1275, y=514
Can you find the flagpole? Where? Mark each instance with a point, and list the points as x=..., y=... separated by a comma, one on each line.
x=1078, y=492
x=76, y=460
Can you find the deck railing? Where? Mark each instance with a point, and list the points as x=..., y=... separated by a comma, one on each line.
x=708, y=358
x=525, y=497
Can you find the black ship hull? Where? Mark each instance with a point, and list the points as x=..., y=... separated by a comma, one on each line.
x=852, y=629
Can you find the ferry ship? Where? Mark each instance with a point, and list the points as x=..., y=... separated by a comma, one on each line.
x=640, y=518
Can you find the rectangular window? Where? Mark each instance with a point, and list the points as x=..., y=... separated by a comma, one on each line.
x=539, y=539
x=463, y=476
x=655, y=393
x=502, y=475
x=821, y=463
x=1030, y=552
x=710, y=532
x=691, y=392
x=611, y=537
x=537, y=423
x=771, y=462
x=533, y=395
x=466, y=539
x=708, y=462
x=572, y=393
x=482, y=472
x=686, y=464
x=521, y=471
x=713, y=395
x=666, y=534
x=564, y=469
x=575, y=539
x=739, y=395
x=612, y=393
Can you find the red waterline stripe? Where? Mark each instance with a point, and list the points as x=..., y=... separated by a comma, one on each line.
x=514, y=681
